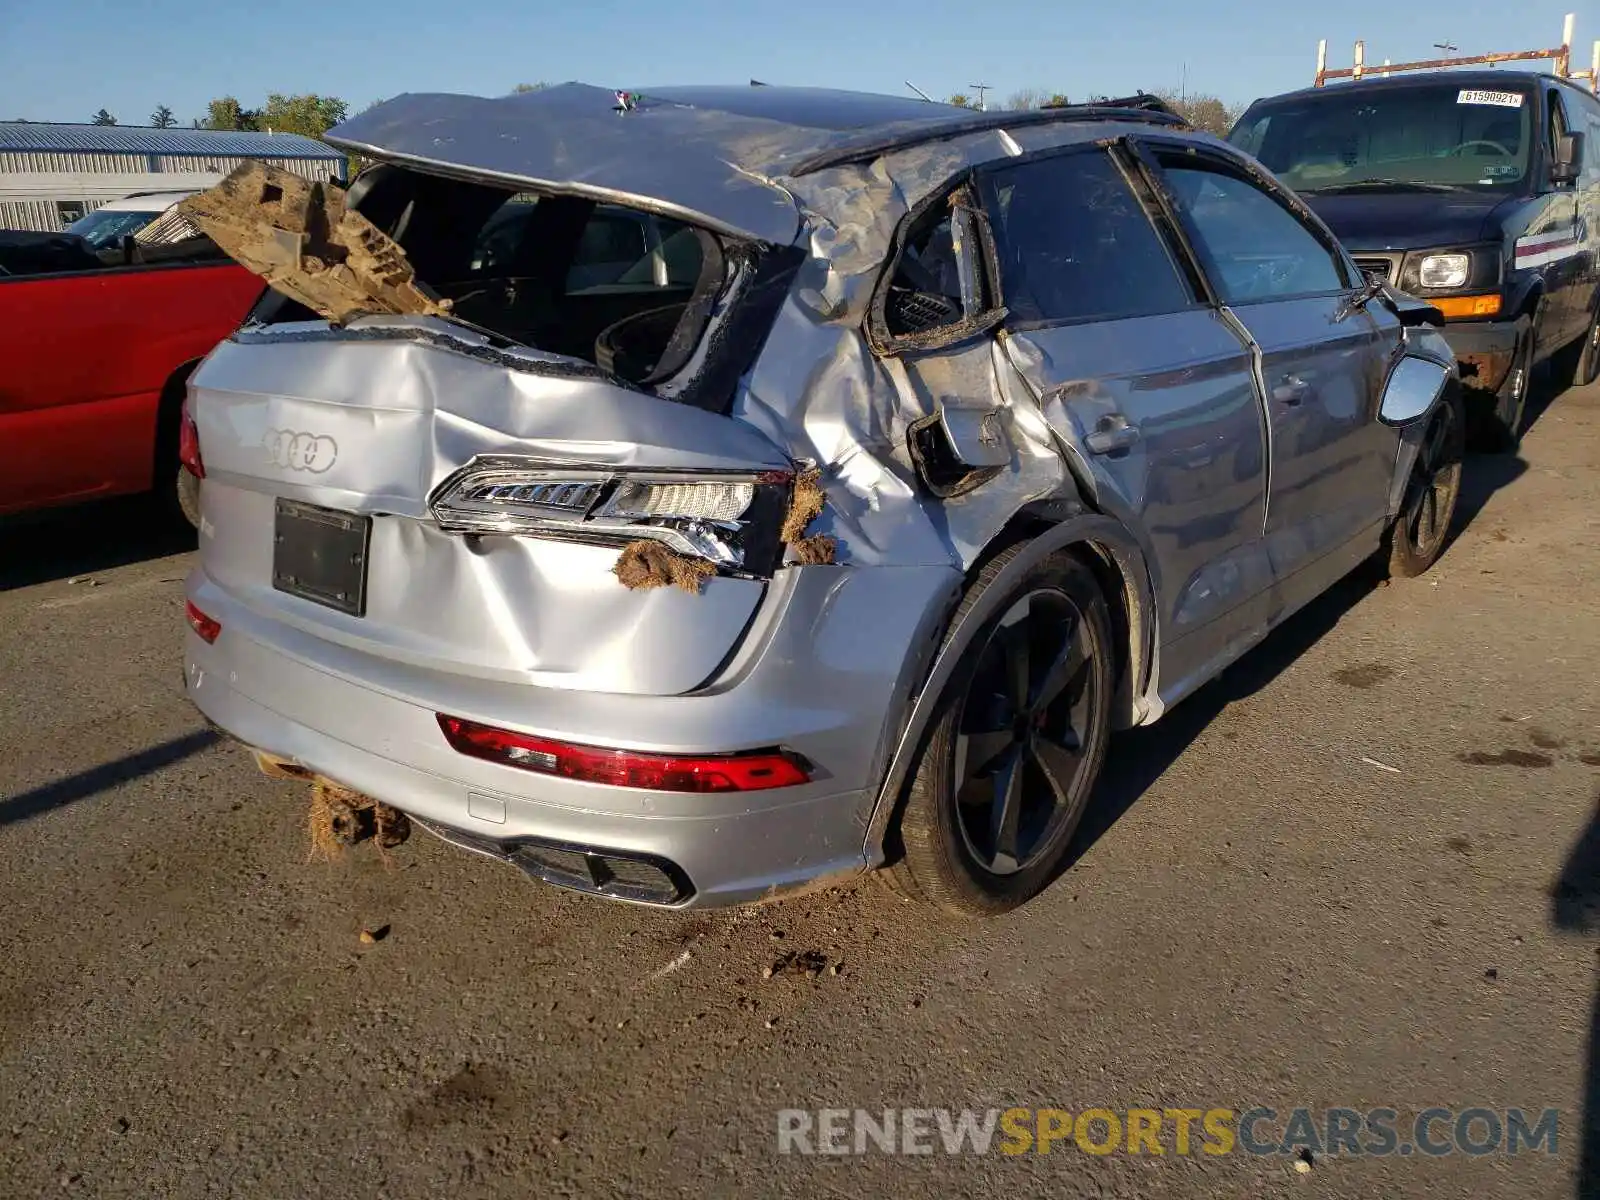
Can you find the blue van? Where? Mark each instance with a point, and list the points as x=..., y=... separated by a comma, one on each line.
x=1475, y=190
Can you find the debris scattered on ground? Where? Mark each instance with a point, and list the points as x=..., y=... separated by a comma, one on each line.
x=323, y=819
x=681, y=961
x=370, y=937
x=1372, y=762
x=299, y=236
x=772, y=1022
x=1302, y=1165
x=391, y=827
x=89, y=579
x=1491, y=974
x=340, y=817
x=798, y=962
x=645, y=564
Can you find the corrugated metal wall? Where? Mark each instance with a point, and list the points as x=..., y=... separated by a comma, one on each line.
x=21, y=206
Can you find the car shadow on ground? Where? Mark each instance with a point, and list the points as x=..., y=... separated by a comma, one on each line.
x=1140, y=756
x=1575, y=909
x=40, y=547
x=89, y=783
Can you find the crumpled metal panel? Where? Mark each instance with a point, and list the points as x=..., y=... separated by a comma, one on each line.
x=373, y=424
x=676, y=158
x=820, y=392
x=718, y=154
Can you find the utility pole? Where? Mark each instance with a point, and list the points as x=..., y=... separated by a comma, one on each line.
x=980, y=88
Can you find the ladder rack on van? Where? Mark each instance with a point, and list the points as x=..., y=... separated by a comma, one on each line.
x=1562, y=56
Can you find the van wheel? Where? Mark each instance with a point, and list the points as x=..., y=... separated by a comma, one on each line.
x=1016, y=746
x=1587, y=367
x=1500, y=430
x=1417, y=536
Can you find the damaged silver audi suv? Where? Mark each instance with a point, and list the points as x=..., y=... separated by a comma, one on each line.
x=694, y=495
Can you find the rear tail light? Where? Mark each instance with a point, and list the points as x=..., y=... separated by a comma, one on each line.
x=753, y=772
x=732, y=520
x=207, y=627
x=189, y=444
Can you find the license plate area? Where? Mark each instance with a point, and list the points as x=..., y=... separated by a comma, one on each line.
x=320, y=554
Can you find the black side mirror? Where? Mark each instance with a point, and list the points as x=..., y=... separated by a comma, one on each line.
x=1567, y=163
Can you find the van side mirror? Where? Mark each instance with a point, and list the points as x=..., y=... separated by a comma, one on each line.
x=1567, y=164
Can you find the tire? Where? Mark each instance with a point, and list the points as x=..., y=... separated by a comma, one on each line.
x=1419, y=534
x=1585, y=367
x=968, y=843
x=177, y=493
x=1500, y=429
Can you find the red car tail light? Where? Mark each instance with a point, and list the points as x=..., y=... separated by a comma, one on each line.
x=189, y=444
x=207, y=627
x=627, y=768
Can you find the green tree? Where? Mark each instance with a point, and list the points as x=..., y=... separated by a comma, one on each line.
x=528, y=87
x=310, y=114
x=162, y=118
x=102, y=118
x=226, y=112
x=961, y=100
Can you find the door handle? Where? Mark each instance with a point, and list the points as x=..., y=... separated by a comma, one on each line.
x=1112, y=436
x=1291, y=390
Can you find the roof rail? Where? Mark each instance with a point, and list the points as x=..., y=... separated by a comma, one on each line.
x=873, y=145
x=1561, y=55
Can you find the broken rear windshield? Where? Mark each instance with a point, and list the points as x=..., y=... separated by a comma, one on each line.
x=1442, y=136
x=625, y=289
x=615, y=286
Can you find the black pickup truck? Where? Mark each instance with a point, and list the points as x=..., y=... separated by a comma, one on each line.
x=1475, y=190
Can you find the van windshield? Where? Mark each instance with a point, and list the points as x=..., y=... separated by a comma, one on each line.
x=1440, y=137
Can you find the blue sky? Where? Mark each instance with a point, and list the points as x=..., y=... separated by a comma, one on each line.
x=63, y=62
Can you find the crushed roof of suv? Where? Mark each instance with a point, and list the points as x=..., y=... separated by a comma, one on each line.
x=699, y=150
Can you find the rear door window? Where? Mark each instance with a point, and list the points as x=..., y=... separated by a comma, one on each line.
x=1253, y=247
x=1076, y=244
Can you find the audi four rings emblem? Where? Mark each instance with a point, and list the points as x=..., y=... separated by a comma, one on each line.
x=295, y=451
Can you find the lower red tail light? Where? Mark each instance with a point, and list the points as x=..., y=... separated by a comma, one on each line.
x=627, y=768
x=189, y=445
x=207, y=627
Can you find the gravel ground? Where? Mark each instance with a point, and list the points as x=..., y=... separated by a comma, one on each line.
x=1358, y=871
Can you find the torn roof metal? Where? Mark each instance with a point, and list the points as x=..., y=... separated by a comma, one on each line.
x=717, y=155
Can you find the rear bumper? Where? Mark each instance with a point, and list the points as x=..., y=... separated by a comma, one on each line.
x=1485, y=350
x=825, y=672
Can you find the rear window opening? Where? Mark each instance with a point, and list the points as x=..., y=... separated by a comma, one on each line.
x=627, y=290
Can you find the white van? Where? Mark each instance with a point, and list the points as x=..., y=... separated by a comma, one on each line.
x=145, y=216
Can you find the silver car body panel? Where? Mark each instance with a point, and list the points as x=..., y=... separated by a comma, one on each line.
x=841, y=663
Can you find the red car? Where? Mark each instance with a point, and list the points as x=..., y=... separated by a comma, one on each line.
x=97, y=347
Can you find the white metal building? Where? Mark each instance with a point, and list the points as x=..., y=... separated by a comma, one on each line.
x=51, y=174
